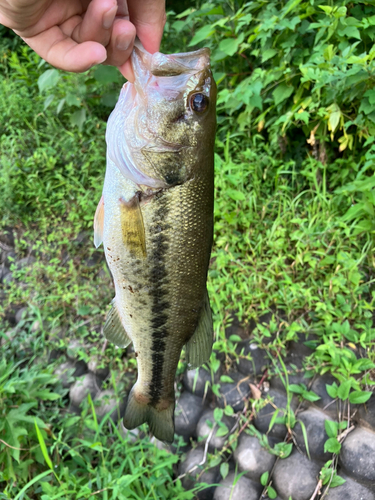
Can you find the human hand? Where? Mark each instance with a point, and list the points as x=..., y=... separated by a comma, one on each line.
x=76, y=34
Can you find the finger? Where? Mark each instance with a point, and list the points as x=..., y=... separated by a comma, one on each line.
x=148, y=17
x=62, y=52
x=127, y=71
x=97, y=22
x=121, y=43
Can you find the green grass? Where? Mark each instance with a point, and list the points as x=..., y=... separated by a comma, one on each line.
x=286, y=241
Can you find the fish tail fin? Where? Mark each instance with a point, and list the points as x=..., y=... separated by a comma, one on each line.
x=160, y=421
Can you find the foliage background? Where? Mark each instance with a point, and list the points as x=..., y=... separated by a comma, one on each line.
x=294, y=218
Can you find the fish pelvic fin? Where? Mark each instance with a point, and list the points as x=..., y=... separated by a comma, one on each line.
x=99, y=223
x=160, y=419
x=113, y=329
x=199, y=347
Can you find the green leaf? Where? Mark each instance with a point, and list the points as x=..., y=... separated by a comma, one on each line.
x=227, y=379
x=72, y=100
x=43, y=447
x=331, y=428
x=282, y=92
x=107, y=74
x=218, y=414
x=332, y=446
x=268, y=54
x=224, y=469
x=48, y=79
x=271, y=492
x=222, y=431
x=48, y=101
x=202, y=34
x=230, y=45
x=359, y=397
x=78, y=118
x=337, y=481
x=344, y=389
x=264, y=478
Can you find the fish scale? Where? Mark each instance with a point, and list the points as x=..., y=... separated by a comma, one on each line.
x=157, y=237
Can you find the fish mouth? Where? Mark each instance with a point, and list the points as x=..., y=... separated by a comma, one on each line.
x=159, y=64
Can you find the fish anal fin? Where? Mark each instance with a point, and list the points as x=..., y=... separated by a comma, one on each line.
x=199, y=347
x=113, y=329
x=160, y=419
x=133, y=231
x=99, y=223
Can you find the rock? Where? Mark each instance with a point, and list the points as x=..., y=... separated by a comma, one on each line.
x=357, y=456
x=7, y=237
x=366, y=414
x=252, y=359
x=295, y=376
x=95, y=365
x=296, y=477
x=82, y=387
x=350, y=490
x=204, y=430
x=8, y=279
x=193, y=459
x=107, y=402
x=3, y=272
x=313, y=420
x=132, y=435
x=252, y=457
x=299, y=346
x=8, y=336
x=234, y=394
x=73, y=347
x=69, y=370
x=263, y=418
x=21, y=314
x=326, y=403
x=10, y=258
x=235, y=329
x=189, y=408
x=244, y=489
x=25, y=262
x=198, y=382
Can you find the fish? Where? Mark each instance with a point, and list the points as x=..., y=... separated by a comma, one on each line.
x=155, y=220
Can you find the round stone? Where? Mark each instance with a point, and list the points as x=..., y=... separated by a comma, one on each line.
x=107, y=402
x=192, y=466
x=366, y=414
x=234, y=394
x=350, y=490
x=357, y=455
x=252, y=457
x=73, y=347
x=296, y=477
x=95, y=365
x=263, y=418
x=198, y=382
x=232, y=488
x=189, y=408
x=313, y=419
x=326, y=403
x=204, y=430
x=299, y=346
x=295, y=376
x=21, y=314
x=252, y=359
x=67, y=371
x=88, y=384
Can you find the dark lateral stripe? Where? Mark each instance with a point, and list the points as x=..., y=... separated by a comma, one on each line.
x=160, y=305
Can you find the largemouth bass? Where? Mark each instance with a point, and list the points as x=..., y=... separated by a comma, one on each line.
x=155, y=220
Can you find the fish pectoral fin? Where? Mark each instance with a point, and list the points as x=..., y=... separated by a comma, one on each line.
x=133, y=231
x=160, y=421
x=99, y=223
x=199, y=347
x=113, y=329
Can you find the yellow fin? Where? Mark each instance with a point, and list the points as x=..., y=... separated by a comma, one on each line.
x=133, y=231
x=98, y=223
x=113, y=329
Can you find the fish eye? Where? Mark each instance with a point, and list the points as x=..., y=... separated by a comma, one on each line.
x=199, y=103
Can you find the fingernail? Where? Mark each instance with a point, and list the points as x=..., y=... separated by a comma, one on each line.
x=108, y=17
x=123, y=44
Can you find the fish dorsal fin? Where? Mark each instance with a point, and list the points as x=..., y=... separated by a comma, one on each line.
x=113, y=329
x=99, y=223
x=133, y=231
x=199, y=347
